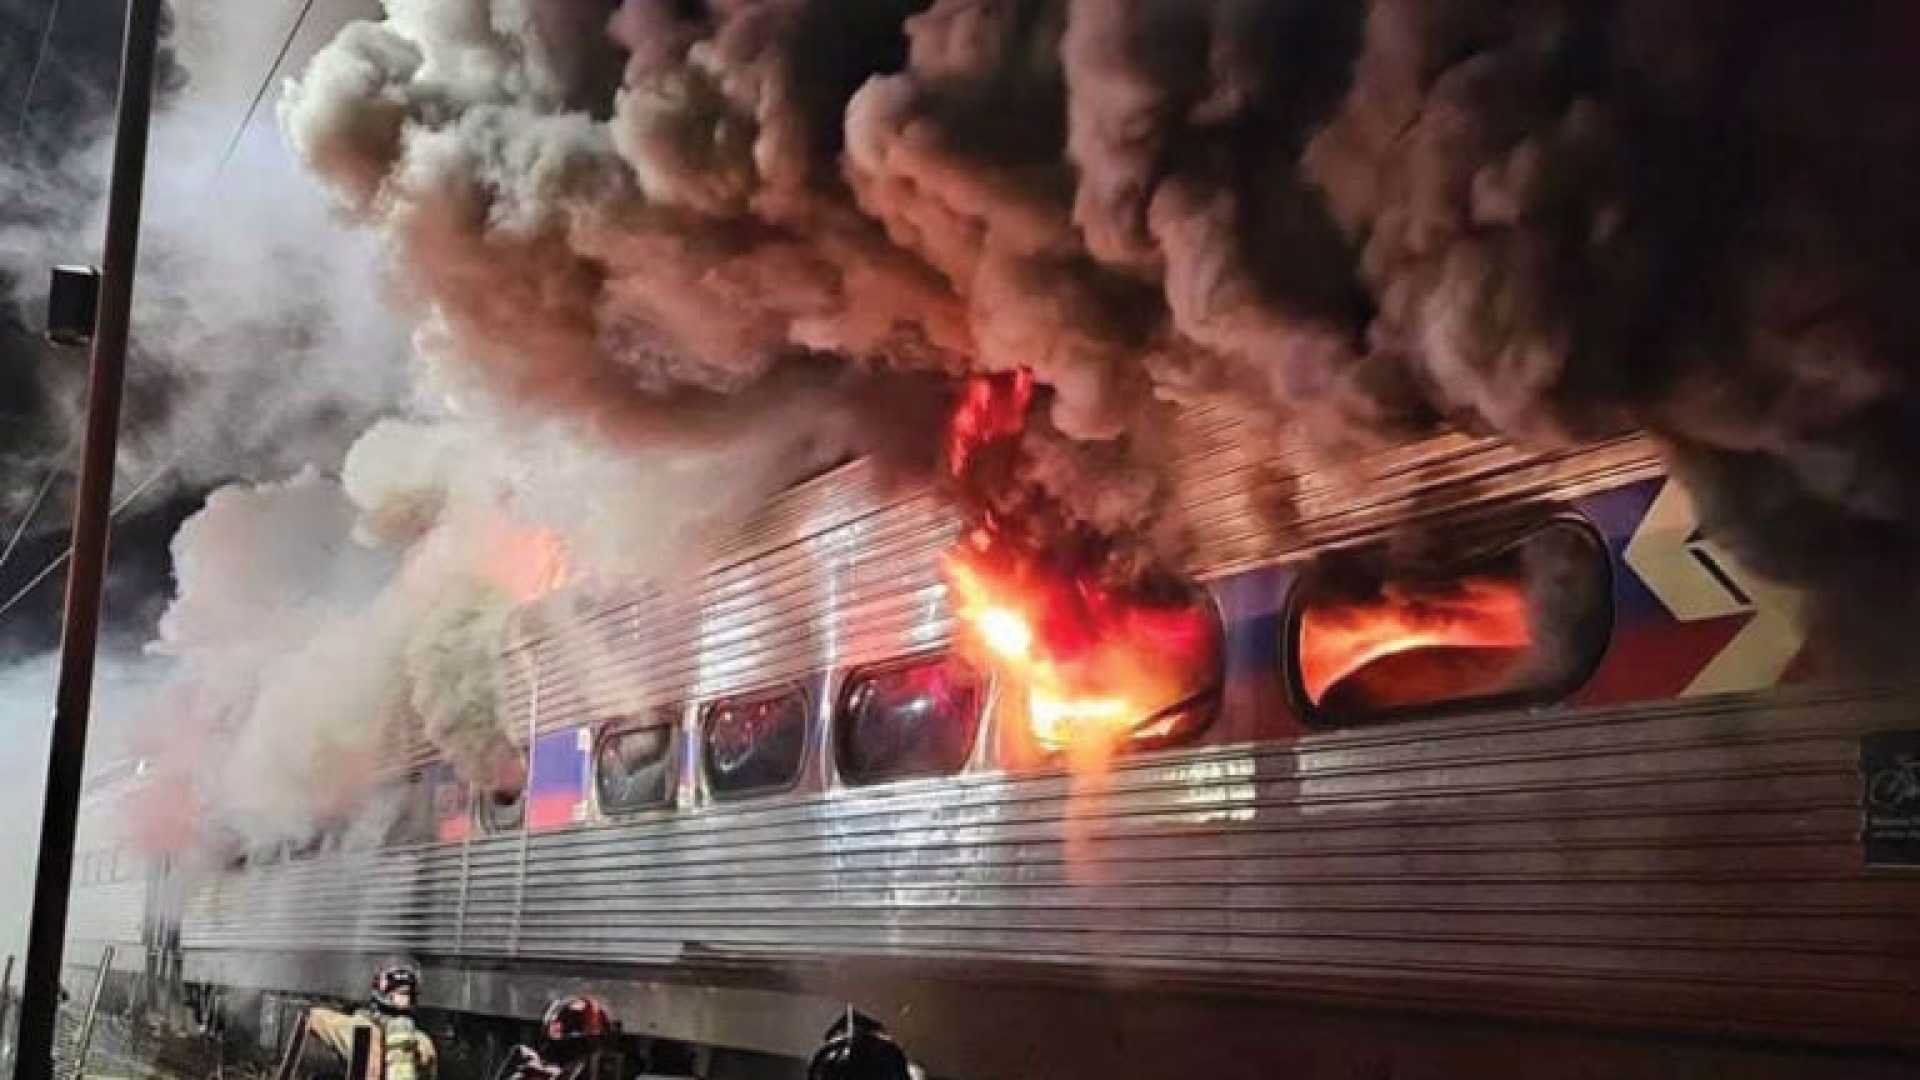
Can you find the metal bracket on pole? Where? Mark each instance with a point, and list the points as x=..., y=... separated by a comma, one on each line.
x=73, y=305
x=86, y=572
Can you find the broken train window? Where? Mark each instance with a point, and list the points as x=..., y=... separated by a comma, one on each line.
x=1522, y=620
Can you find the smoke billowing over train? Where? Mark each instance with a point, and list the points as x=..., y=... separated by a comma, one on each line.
x=1552, y=221
x=662, y=257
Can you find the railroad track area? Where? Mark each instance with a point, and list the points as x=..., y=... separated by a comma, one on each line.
x=123, y=1050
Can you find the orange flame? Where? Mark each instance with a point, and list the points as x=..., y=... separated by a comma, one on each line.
x=1099, y=670
x=1101, y=667
x=525, y=561
x=1340, y=640
x=992, y=408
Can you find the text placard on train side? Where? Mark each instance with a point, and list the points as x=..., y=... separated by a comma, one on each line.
x=1890, y=798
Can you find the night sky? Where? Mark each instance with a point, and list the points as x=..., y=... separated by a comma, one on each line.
x=71, y=102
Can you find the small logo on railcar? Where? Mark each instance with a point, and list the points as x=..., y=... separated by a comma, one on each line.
x=1890, y=798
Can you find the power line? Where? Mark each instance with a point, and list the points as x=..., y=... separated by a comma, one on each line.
x=39, y=59
x=233, y=145
x=265, y=84
x=60, y=559
x=33, y=510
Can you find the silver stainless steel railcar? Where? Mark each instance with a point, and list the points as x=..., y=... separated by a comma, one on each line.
x=113, y=876
x=1641, y=854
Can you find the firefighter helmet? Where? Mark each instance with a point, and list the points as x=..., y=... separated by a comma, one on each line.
x=395, y=990
x=574, y=1021
x=858, y=1048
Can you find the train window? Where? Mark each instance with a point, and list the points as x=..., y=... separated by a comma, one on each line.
x=450, y=800
x=633, y=766
x=1523, y=622
x=917, y=718
x=755, y=743
x=309, y=846
x=415, y=814
x=502, y=810
x=501, y=805
x=1156, y=684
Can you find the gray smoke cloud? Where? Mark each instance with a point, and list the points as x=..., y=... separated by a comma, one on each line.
x=337, y=595
x=1556, y=221
x=637, y=245
x=1576, y=219
x=262, y=339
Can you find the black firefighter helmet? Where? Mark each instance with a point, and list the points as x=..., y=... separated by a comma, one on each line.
x=395, y=990
x=858, y=1048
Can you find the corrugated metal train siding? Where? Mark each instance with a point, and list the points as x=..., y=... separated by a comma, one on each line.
x=1691, y=863
x=1702, y=858
x=110, y=910
x=99, y=915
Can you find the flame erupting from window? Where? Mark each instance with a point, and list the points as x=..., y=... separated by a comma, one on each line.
x=1102, y=665
x=1340, y=640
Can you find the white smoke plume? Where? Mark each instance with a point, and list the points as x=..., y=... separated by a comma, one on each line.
x=262, y=341
x=348, y=592
x=321, y=625
x=279, y=630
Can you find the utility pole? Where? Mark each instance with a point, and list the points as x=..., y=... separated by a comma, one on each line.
x=79, y=632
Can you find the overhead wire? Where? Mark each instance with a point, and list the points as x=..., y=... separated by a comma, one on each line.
x=33, y=511
x=60, y=559
x=233, y=146
x=266, y=84
x=39, y=61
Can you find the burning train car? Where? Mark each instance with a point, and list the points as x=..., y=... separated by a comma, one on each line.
x=1559, y=782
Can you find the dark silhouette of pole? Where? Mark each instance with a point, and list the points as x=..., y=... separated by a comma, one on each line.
x=79, y=632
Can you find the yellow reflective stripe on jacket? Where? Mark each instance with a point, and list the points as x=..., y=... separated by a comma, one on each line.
x=336, y=1030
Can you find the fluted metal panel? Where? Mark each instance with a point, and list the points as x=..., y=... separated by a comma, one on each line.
x=404, y=899
x=103, y=914
x=1685, y=850
x=1697, y=858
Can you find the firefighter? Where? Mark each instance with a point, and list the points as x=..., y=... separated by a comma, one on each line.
x=858, y=1048
x=572, y=1034
x=401, y=1051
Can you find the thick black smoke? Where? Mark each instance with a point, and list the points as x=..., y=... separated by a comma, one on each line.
x=1553, y=219
x=1690, y=218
